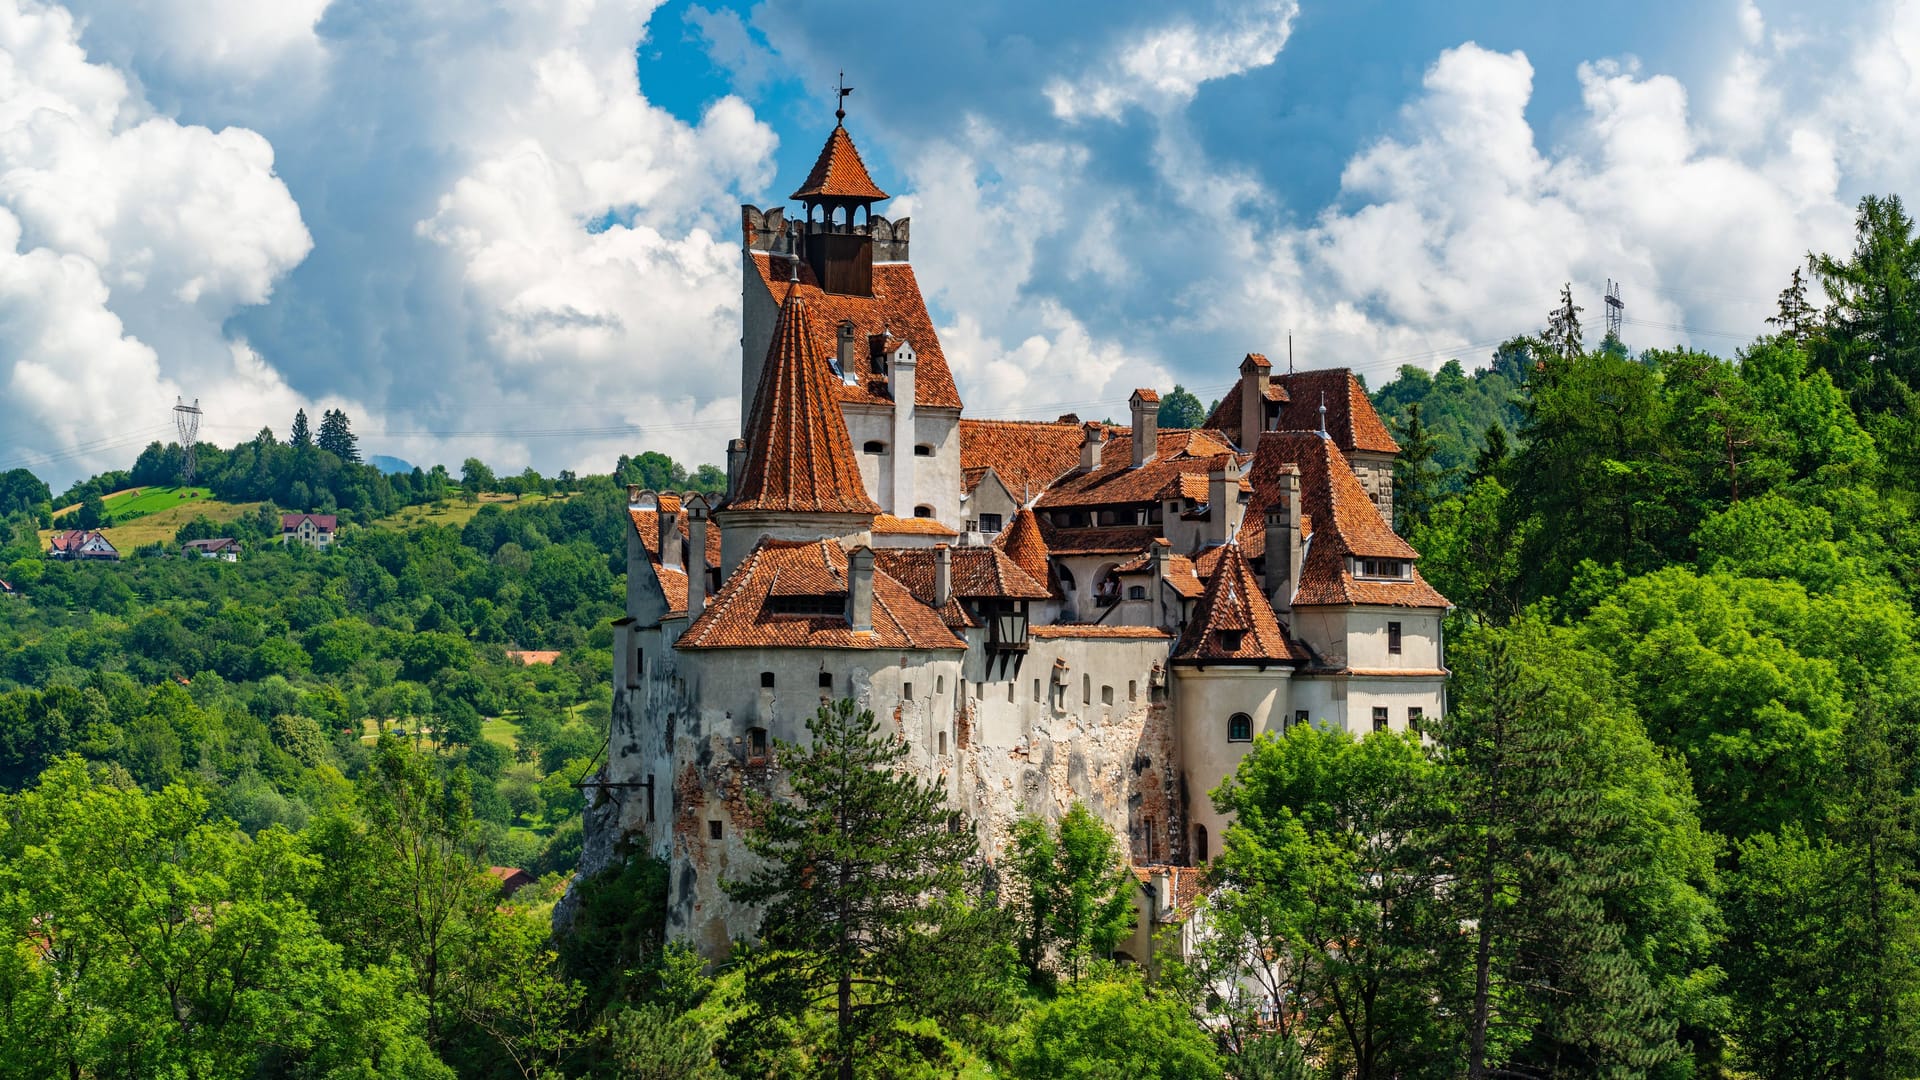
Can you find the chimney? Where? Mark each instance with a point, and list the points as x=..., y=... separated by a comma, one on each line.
x=860, y=588
x=1281, y=575
x=696, y=509
x=1146, y=425
x=1093, y=437
x=669, y=538
x=843, y=356
x=901, y=364
x=1223, y=501
x=633, y=494
x=1256, y=375
x=1162, y=570
x=736, y=463
x=942, y=575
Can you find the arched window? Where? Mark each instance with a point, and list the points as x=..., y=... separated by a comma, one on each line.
x=923, y=450
x=1136, y=592
x=1199, y=844
x=923, y=511
x=1239, y=728
x=873, y=446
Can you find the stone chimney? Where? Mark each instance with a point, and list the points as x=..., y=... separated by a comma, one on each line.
x=633, y=494
x=1146, y=425
x=696, y=510
x=1281, y=575
x=942, y=575
x=902, y=363
x=669, y=537
x=736, y=463
x=860, y=588
x=844, y=352
x=1256, y=376
x=1093, y=438
x=1223, y=501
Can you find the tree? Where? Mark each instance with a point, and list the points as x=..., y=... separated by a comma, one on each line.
x=301, y=438
x=21, y=492
x=1794, y=316
x=1180, y=409
x=337, y=438
x=1576, y=862
x=1562, y=336
x=1416, y=479
x=1492, y=456
x=1327, y=901
x=1110, y=1026
x=1076, y=896
x=858, y=871
x=476, y=477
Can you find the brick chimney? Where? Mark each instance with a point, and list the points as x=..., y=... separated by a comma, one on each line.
x=1256, y=375
x=1146, y=425
x=1093, y=438
x=860, y=588
x=942, y=575
x=1281, y=575
x=1223, y=501
x=696, y=510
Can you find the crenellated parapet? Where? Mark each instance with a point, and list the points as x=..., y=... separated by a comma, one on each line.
x=772, y=231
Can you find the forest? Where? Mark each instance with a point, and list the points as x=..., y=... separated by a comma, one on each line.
x=1666, y=827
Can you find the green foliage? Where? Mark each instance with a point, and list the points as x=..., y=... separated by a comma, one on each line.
x=1111, y=1026
x=1180, y=409
x=1075, y=897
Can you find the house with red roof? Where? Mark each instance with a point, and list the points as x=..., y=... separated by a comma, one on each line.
x=81, y=545
x=311, y=530
x=1043, y=612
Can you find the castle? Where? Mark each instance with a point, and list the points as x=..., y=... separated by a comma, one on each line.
x=1044, y=612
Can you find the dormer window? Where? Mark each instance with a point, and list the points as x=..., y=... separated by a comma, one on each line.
x=1229, y=640
x=1391, y=569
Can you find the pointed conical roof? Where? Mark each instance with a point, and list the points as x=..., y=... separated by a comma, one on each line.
x=799, y=458
x=839, y=173
x=1026, y=547
x=1235, y=604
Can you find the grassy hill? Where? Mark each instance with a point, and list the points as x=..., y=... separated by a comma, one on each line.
x=456, y=511
x=153, y=514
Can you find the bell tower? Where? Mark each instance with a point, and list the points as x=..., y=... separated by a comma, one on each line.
x=838, y=196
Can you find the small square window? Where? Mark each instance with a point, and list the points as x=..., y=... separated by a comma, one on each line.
x=1240, y=728
x=766, y=680
x=1393, y=638
x=989, y=523
x=713, y=830
x=1299, y=717
x=1379, y=718
x=826, y=680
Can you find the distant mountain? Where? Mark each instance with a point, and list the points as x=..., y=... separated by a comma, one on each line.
x=387, y=464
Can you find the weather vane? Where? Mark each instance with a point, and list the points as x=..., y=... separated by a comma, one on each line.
x=840, y=103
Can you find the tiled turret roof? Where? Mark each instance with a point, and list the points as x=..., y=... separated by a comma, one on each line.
x=1024, y=544
x=1234, y=620
x=838, y=173
x=799, y=458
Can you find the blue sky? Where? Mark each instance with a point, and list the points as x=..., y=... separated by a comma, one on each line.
x=511, y=229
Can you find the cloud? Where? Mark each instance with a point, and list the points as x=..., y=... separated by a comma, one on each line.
x=1163, y=67
x=126, y=239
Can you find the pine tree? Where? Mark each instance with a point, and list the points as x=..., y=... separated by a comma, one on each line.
x=301, y=437
x=860, y=868
x=1492, y=456
x=1417, y=478
x=1562, y=336
x=1795, y=317
x=337, y=438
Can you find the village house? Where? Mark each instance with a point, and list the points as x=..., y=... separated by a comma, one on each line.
x=313, y=530
x=224, y=548
x=1044, y=612
x=80, y=544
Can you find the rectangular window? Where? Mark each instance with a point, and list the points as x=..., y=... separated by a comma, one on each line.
x=1133, y=690
x=1299, y=717
x=1036, y=691
x=649, y=797
x=906, y=691
x=1379, y=718
x=713, y=830
x=939, y=684
x=1415, y=718
x=1106, y=695
x=826, y=681
x=756, y=742
x=1086, y=689
x=1393, y=638
x=766, y=680
x=639, y=669
x=989, y=523
x=943, y=744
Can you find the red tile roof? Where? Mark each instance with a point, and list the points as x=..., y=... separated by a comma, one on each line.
x=1027, y=546
x=1111, y=540
x=1180, y=571
x=799, y=459
x=737, y=616
x=918, y=526
x=72, y=540
x=1351, y=419
x=838, y=172
x=1234, y=606
x=1027, y=455
x=982, y=572
x=323, y=522
x=895, y=308
x=1094, y=630
x=1342, y=521
x=1179, y=468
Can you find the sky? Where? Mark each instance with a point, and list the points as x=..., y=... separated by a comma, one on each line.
x=510, y=228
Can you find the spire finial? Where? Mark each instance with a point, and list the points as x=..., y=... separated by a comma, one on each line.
x=840, y=103
x=1323, y=412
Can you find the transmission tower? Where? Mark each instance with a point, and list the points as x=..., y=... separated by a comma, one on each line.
x=1616, y=309
x=187, y=418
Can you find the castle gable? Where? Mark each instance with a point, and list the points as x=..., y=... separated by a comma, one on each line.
x=794, y=594
x=895, y=309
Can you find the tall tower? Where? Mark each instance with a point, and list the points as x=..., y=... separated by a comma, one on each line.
x=187, y=419
x=1616, y=309
x=837, y=239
